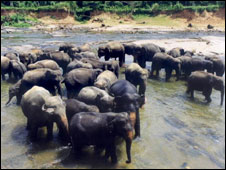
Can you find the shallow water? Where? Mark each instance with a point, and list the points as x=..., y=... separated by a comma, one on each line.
x=175, y=131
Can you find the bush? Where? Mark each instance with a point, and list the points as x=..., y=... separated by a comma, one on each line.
x=155, y=7
x=178, y=6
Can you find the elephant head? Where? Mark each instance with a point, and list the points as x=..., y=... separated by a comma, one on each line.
x=105, y=103
x=101, y=51
x=56, y=108
x=122, y=126
x=218, y=84
x=14, y=91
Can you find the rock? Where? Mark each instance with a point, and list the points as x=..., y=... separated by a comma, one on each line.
x=102, y=25
x=210, y=26
x=190, y=25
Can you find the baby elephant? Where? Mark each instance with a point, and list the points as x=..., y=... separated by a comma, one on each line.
x=203, y=81
x=100, y=130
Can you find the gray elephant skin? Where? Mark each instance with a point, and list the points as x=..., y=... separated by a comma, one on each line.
x=17, y=68
x=112, y=50
x=100, y=130
x=105, y=80
x=74, y=106
x=76, y=79
x=5, y=67
x=163, y=60
x=43, y=109
x=203, y=81
x=94, y=96
x=137, y=76
x=47, y=78
x=44, y=64
x=218, y=65
x=127, y=100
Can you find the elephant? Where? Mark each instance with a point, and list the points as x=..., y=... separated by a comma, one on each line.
x=5, y=67
x=176, y=52
x=163, y=60
x=145, y=52
x=61, y=58
x=76, y=79
x=112, y=50
x=47, y=78
x=127, y=99
x=100, y=130
x=218, y=65
x=14, y=91
x=43, y=109
x=189, y=65
x=66, y=47
x=12, y=56
x=137, y=76
x=84, y=48
x=86, y=54
x=203, y=81
x=113, y=66
x=17, y=68
x=94, y=96
x=74, y=106
x=133, y=49
x=105, y=80
x=95, y=63
x=78, y=64
x=44, y=64
x=28, y=58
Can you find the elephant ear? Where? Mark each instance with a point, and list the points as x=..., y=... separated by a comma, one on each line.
x=48, y=109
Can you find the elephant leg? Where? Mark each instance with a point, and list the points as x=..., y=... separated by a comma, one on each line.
x=50, y=130
x=3, y=76
x=207, y=92
x=34, y=132
x=112, y=150
x=157, y=72
x=137, y=124
x=192, y=94
x=28, y=125
x=121, y=61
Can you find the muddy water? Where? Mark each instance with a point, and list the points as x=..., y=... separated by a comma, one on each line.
x=175, y=131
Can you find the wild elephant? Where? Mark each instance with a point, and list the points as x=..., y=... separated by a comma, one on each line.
x=203, y=81
x=100, y=130
x=43, y=109
x=112, y=50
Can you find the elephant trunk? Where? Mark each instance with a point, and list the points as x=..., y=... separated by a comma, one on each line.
x=63, y=127
x=222, y=96
x=128, y=146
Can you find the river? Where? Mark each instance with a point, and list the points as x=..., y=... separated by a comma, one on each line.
x=175, y=131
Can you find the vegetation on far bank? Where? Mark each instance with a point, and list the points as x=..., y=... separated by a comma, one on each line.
x=83, y=10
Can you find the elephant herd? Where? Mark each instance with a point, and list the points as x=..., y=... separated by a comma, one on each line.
x=99, y=107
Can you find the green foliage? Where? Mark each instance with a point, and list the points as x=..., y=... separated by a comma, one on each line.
x=82, y=9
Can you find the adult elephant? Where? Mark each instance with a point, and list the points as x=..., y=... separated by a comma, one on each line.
x=100, y=130
x=94, y=96
x=28, y=58
x=163, y=60
x=112, y=50
x=113, y=66
x=203, y=81
x=77, y=64
x=43, y=109
x=86, y=54
x=218, y=65
x=17, y=68
x=74, y=106
x=44, y=64
x=5, y=67
x=84, y=48
x=147, y=52
x=176, y=52
x=127, y=100
x=61, y=58
x=12, y=56
x=76, y=79
x=66, y=47
x=105, y=80
x=137, y=76
x=95, y=63
x=188, y=65
x=47, y=78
